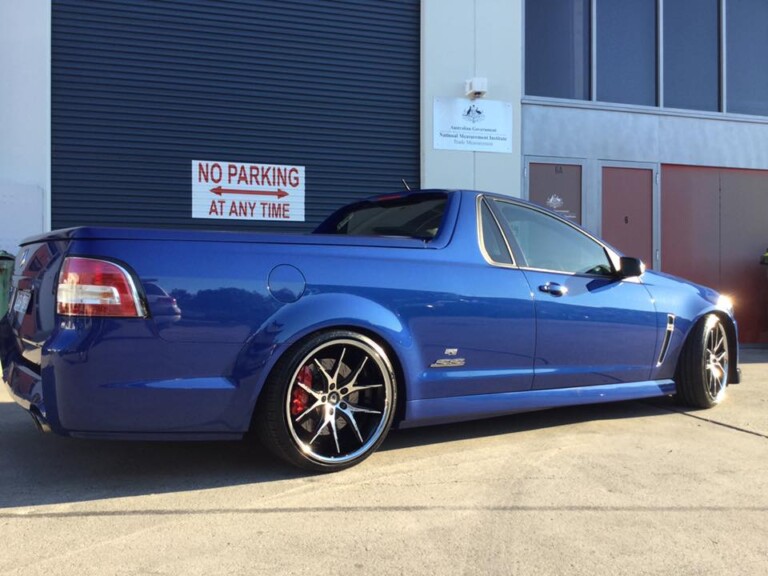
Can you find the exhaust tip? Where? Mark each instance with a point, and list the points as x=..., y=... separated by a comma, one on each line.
x=40, y=423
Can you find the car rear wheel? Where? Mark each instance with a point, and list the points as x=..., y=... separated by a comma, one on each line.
x=329, y=403
x=703, y=370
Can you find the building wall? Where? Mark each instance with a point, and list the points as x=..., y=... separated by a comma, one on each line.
x=711, y=184
x=141, y=90
x=462, y=39
x=594, y=135
x=25, y=98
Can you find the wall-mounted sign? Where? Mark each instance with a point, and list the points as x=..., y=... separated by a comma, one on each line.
x=238, y=191
x=473, y=125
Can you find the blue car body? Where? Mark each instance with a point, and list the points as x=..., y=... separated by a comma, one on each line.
x=467, y=337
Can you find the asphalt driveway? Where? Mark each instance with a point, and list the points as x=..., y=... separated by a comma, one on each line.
x=628, y=488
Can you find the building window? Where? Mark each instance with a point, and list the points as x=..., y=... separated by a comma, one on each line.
x=747, y=40
x=609, y=51
x=626, y=51
x=557, y=48
x=692, y=54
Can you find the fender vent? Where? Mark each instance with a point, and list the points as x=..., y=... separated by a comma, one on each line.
x=667, y=338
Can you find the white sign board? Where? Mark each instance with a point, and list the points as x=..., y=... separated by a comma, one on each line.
x=473, y=125
x=238, y=191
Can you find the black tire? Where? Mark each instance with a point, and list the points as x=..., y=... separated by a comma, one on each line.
x=702, y=373
x=329, y=402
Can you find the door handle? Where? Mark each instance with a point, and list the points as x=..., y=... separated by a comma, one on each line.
x=553, y=288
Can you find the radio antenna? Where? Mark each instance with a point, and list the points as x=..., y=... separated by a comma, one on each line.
x=406, y=185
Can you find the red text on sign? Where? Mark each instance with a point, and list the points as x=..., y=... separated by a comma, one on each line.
x=249, y=174
x=274, y=211
x=246, y=209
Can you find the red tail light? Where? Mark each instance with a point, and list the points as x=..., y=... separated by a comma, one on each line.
x=90, y=287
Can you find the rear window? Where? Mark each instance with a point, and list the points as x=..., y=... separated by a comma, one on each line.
x=410, y=216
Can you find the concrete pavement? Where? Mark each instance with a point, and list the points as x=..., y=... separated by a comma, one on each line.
x=629, y=488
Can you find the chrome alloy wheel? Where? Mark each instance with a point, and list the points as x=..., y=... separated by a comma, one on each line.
x=339, y=401
x=715, y=360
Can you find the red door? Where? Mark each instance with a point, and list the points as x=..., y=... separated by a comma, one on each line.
x=713, y=231
x=690, y=223
x=628, y=211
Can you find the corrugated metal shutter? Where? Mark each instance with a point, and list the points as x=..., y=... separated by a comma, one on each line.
x=142, y=88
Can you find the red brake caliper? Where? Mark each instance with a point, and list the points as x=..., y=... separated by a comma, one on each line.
x=299, y=397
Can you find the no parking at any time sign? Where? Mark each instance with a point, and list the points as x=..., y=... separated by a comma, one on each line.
x=239, y=191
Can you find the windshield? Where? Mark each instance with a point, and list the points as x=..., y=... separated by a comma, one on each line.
x=412, y=216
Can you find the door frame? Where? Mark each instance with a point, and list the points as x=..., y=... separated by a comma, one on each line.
x=655, y=201
x=582, y=162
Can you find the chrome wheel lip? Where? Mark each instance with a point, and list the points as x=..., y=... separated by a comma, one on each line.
x=715, y=361
x=374, y=353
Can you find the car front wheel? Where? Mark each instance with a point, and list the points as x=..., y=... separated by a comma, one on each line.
x=703, y=370
x=329, y=403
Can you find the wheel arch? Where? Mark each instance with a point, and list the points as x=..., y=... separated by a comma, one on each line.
x=295, y=324
x=733, y=339
x=733, y=344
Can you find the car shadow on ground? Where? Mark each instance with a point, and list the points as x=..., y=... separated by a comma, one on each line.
x=39, y=469
x=43, y=469
x=529, y=421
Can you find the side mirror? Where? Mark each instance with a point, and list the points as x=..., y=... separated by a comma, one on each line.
x=631, y=267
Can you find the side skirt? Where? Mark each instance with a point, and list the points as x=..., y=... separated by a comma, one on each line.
x=459, y=408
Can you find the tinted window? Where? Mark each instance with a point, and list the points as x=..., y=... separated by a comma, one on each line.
x=493, y=241
x=547, y=243
x=691, y=54
x=411, y=216
x=557, y=47
x=626, y=51
x=747, y=38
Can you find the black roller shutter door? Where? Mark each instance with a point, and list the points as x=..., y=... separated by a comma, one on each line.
x=140, y=89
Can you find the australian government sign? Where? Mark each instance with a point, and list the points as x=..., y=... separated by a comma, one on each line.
x=472, y=125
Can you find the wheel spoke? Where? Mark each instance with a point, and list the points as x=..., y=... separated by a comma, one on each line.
x=353, y=389
x=717, y=361
x=353, y=408
x=338, y=365
x=301, y=416
x=321, y=425
x=327, y=376
x=308, y=390
x=353, y=422
x=353, y=382
x=332, y=412
x=720, y=357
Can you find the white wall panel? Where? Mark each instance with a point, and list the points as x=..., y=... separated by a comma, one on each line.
x=24, y=120
x=462, y=39
x=644, y=136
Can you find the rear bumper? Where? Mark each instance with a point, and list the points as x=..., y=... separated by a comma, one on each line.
x=24, y=384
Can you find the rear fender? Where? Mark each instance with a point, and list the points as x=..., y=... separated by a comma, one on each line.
x=316, y=313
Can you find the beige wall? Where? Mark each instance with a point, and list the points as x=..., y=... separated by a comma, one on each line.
x=461, y=39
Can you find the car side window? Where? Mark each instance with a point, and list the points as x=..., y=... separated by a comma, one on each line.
x=547, y=243
x=492, y=238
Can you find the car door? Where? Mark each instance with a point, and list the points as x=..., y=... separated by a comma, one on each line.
x=592, y=326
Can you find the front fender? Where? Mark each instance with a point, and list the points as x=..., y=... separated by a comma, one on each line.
x=689, y=303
